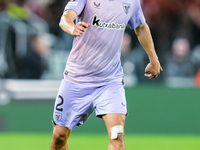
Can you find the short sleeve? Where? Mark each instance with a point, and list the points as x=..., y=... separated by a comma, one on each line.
x=76, y=5
x=137, y=17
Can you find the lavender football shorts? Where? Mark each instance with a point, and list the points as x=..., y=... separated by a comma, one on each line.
x=75, y=103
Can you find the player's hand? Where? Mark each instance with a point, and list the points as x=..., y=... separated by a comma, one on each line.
x=80, y=28
x=153, y=70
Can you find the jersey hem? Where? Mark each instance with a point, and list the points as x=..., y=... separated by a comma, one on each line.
x=92, y=85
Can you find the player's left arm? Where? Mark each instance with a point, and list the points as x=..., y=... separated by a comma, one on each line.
x=144, y=36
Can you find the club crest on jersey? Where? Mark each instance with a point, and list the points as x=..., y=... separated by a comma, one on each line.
x=126, y=7
x=97, y=22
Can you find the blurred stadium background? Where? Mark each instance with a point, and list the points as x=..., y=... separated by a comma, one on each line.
x=164, y=113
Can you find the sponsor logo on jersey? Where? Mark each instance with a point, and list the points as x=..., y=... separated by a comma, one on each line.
x=97, y=22
x=126, y=7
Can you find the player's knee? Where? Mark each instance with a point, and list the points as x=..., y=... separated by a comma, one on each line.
x=117, y=137
x=118, y=143
x=59, y=138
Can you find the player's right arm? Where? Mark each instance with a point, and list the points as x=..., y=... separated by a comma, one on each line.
x=67, y=23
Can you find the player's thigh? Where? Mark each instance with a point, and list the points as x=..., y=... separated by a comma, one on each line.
x=111, y=99
x=114, y=120
x=73, y=105
x=61, y=133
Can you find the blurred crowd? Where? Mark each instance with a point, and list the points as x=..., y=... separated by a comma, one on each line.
x=32, y=45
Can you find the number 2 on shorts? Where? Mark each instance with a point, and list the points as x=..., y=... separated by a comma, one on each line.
x=59, y=104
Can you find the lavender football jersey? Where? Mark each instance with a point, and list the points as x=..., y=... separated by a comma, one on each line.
x=95, y=56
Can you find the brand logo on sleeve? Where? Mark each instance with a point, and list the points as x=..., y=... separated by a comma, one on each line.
x=97, y=22
x=72, y=3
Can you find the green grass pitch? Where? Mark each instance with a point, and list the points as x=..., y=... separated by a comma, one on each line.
x=40, y=141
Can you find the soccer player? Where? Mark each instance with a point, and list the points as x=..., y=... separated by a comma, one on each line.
x=93, y=74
